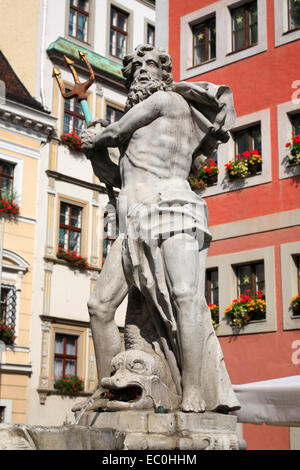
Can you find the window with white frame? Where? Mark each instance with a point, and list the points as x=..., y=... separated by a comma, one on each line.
x=8, y=305
x=251, y=281
x=212, y=286
x=110, y=232
x=204, y=41
x=113, y=114
x=293, y=14
x=235, y=270
x=70, y=227
x=248, y=139
x=6, y=179
x=2, y=413
x=290, y=274
x=241, y=32
x=288, y=121
x=244, y=26
x=150, y=34
x=118, y=32
x=79, y=19
x=65, y=355
x=295, y=120
x=287, y=21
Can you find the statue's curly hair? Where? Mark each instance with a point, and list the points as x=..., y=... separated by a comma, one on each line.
x=140, y=51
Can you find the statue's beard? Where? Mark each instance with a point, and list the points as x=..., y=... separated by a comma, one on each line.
x=141, y=90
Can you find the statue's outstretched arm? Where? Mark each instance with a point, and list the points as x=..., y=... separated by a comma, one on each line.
x=137, y=117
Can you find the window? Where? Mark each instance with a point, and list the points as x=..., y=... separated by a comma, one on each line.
x=2, y=413
x=70, y=227
x=294, y=14
x=78, y=19
x=8, y=305
x=150, y=34
x=244, y=26
x=295, y=118
x=65, y=355
x=6, y=179
x=212, y=292
x=204, y=41
x=298, y=270
x=212, y=287
x=248, y=139
x=118, y=33
x=113, y=114
x=251, y=278
x=110, y=232
x=73, y=117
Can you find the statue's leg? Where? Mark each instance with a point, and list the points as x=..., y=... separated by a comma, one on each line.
x=110, y=290
x=181, y=257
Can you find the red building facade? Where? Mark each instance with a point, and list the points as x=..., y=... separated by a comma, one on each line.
x=253, y=47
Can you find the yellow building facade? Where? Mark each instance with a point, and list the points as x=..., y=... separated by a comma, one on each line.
x=52, y=179
x=24, y=125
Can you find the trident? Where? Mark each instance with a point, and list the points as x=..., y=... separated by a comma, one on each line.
x=79, y=90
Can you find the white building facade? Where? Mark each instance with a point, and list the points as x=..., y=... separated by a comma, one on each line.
x=71, y=200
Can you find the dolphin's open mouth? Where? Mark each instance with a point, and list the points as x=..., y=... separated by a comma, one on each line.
x=126, y=394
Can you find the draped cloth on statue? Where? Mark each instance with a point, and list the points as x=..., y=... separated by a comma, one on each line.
x=178, y=210
x=175, y=209
x=213, y=114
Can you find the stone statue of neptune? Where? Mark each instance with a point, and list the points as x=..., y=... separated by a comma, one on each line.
x=172, y=356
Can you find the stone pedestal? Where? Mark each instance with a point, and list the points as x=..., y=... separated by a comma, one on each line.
x=69, y=437
x=146, y=430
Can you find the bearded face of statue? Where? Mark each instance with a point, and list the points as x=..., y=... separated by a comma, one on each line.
x=147, y=78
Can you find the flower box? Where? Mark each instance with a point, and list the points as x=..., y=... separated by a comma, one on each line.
x=7, y=333
x=68, y=384
x=207, y=176
x=72, y=140
x=293, y=147
x=9, y=208
x=72, y=258
x=245, y=165
x=295, y=304
x=246, y=308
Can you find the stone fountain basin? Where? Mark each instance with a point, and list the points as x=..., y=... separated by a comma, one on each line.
x=68, y=437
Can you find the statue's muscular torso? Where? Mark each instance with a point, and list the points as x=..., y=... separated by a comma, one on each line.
x=159, y=151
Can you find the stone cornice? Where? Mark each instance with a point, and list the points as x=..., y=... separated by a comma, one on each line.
x=70, y=179
x=27, y=118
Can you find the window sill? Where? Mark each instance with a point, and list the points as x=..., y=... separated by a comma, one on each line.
x=202, y=63
x=45, y=392
x=289, y=31
x=241, y=50
x=55, y=260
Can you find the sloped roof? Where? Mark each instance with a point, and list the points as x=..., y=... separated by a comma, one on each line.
x=15, y=90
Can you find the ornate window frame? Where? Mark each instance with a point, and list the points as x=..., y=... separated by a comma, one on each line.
x=289, y=284
x=226, y=152
x=7, y=405
x=130, y=22
x=91, y=26
x=224, y=53
x=18, y=174
x=281, y=31
x=12, y=275
x=83, y=205
x=285, y=128
x=228, y=288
